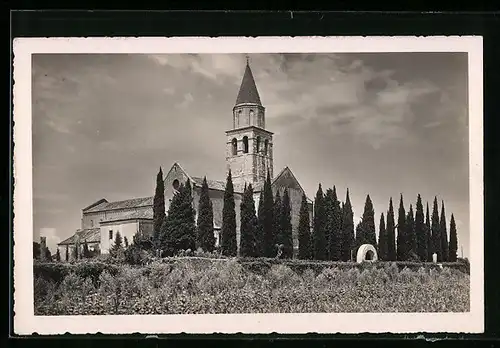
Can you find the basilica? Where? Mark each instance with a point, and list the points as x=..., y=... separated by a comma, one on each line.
x=249, y=156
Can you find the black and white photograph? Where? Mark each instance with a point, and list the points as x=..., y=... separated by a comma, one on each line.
x=259, y=185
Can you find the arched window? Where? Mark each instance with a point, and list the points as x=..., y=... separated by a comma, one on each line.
x=266, y=145
x=245, y=144
x=251, y=119
x=238, y=119
x=234, y=146
x=175, y=185
x=258, y=144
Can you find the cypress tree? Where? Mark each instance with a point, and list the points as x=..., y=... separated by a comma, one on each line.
x=260, y=247
x=428, y=234
x=267, y=220
x=402, y=240
x=179, y=228
x=329, y=222
x=391, y=234
x=248, y=224
x=276, y=221
x=334, y=222
x=347, y=229
x=286, y=227
x=205, y=238
x=319, y=236
x=336, y=248
x=304, y=231
x=420, y=230
x=58, y=255
x=228, y=233
x=382, y=239
x=410, y=233
x=444, y=234
x=453, y=248
x=436, y=236
x=67, y=254
x=367, y=226
x=158, y=208
x=360, y=235
x=125, y=241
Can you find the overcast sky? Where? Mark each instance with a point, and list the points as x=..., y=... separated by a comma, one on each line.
x=379, y=124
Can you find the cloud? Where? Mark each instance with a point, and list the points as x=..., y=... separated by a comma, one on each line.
x=215, y=67
x=186, y=101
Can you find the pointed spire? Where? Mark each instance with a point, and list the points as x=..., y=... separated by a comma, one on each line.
x=248, y=90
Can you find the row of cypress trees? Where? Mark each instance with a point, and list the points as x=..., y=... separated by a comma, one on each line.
x=417, y=239
x=269, y=230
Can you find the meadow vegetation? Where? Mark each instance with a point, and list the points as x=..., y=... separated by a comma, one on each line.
x=187, y=285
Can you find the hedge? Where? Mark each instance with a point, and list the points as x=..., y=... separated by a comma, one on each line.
x=57, y=271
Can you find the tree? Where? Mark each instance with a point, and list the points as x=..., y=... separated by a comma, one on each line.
x=411, y=237
x=268, y=238
x=328, y=202
x=382, y=239
x=420, y=233
x=453, y=247
x=304, y=230
x=347, y=229
x=58, y=255
x=158, y=208
x=116, y=251
x=125, y=241
x=286, y=238
x=444, y=234
x=179, y=228
x=205, y=238
x=86, y=251
x=319, y=226
x=48, y=254
x=36, y=251
x=260, y=248
x=333, y=224
x=402, y=249
x=367, y=226
x=67, y=253
x=276, y=221
x=428, y=234
x=436, y=236
x=228, y=234
x=391, y=233
x=248, y=224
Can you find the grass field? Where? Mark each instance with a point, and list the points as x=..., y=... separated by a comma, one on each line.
x=186, y=286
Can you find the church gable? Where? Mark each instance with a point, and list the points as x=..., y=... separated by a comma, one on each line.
x=286, y=179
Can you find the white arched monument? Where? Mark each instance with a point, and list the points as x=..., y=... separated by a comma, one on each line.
x=366, y=252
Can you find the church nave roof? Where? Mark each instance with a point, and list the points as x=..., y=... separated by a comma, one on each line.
x=124, y=204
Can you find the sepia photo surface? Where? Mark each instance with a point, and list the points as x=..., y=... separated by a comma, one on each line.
x=262, y=185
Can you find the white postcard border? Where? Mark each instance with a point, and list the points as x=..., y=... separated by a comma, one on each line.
x=26, y=323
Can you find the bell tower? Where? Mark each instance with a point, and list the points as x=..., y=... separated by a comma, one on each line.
x=249, y=147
